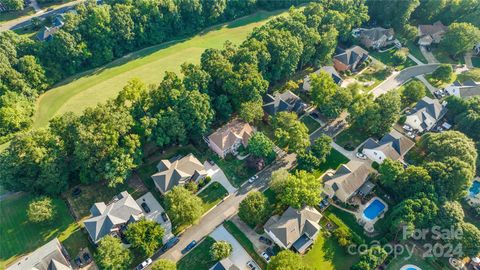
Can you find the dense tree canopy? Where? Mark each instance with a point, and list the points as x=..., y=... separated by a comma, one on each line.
x=290, y=132
x=413, y=92
x=254, y=208
x=460, y=38
x=145, y=235
x=183, y=207
x=112, y=255
x=260, y=145
x=297, y=190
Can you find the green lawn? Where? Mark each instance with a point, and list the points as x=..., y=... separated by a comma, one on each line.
x=212, y=195
x=415, y=51
x=311, y=123
x=472, y=74
x=333, y=160
x=377, y=72
x=326, y=254
x=11, y=15
x=351, y=137
x=245, y=242
x=347, y=219
x=199, y=258
x=387, y=59
x=235, y=170
x=20, y=237
x=91, y=87
x=443, y=57
x=401, y=260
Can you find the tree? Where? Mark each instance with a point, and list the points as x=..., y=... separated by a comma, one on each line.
x=297, y=190
x=223, y=108
x=251, y=111
x=460, y=38
x=322, y=146
x=164, y=264
x=286, y=260
x=400, y=56
x=41, y=210
x=260, y=145
x=307, y=161
x=112, y=255
x=183, y=207
x=452, y=177
x=390, y=171
x=220, y=250
x=415, y=180
x=370, y=259
x=254, y=208
x=392, y=13
x=145, y=235
x=413, y=92
x=443, y=73
x=343, y=235
x=290, y=132
x=469, y=239
x=413, y=213
x=16, y=111
x=451, y=213
x=323, y=89
x=14, y=4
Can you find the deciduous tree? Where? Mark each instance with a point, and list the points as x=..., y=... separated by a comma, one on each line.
x=41, y=210
x=183, y=207
x=111, y=255
x=220, y=250
x=145, y=235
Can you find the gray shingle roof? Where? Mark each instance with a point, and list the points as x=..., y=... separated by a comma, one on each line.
x=46, y=257
x=282, y=102
x=352, y=55
x=394, y=145
x=374, y=34
x=349, y=177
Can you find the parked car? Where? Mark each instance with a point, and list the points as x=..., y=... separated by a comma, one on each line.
x=265, y=240
x=49, y=9
x=360, y=155
x=76, y=192
x=266, y=256
x=407, y=128
x=170, y=243
x=145, y=208
x=78, y=262
x=86, y=257
x=253, y=178
x=144, y=264
x=164, y=216
x=410, y=134
x=252, y=265
x=189, y=247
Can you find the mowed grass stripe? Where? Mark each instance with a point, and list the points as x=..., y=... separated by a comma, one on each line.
x=89, y=88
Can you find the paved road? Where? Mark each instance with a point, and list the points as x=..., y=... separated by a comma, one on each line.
x=397, y=79
x=224, y=210
x=25, y=21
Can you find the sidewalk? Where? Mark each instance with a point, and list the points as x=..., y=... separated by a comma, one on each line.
x=430, y=87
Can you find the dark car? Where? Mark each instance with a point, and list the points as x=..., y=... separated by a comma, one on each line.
x=78, y=262
x=172, y=242
x=76, y=192
x=265, y=240
x=189, y=247
x=164, y=216
x=146, y=208
x=86, y=257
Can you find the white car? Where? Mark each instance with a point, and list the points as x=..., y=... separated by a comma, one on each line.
x=144, y=264
x=407, y=128
x=266, y=256
x=411, y=134
x=360, y=155
x=252, y=265
x=253, y=178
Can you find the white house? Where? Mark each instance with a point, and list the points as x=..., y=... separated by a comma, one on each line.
x=426, y=113
x=393, y=146
x=464, y=90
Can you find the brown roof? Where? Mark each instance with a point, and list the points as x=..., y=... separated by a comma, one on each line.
x=227, y=135
x=432, y=29
x=349, y=177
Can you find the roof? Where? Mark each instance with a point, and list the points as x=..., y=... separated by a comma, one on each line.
x=47, y=32
x=376, y=33
x=328, y=69
x=432, y=29
x=349, y=177
x=429, y=106
x=286, y=101
x=394, y=145
x=225, y=264
x=170, y=174
x=46, y=257
x=366, y=188
x=294, y=223
x=226, y=136
x=467, y=89
x=120, y=211
x=351, y=55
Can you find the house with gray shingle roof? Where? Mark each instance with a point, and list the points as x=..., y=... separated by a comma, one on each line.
x=376, y=37
x=51, y=256
x=283, y=102
x=431, y=33
x=328, y=69
x=349, y=59
x=297, y=228
x=425, y=115
x=393, y=146
x=109, y=219
x=465, y=90
x=178, y=172
x=346, y=181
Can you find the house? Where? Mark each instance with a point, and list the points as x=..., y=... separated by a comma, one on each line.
x=431, y=33
x=349, y=59
x=283, y=102
x=295, y=228
x=393, y=146
x=50, y=256
x=178, y=172
x=345, y=182
x=228, y=138
x=110, y=219
x=328, y=69
x=47, y=33
x=464, y=90
x=376, y=38
x=225, y=264
x=426, y=113
x=476, y=49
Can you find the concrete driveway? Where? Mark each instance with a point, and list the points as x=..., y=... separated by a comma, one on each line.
x=155, y=214
x=239, y=256
x=219, y=176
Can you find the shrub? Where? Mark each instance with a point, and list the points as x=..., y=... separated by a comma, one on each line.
x=402, y=119
x=41, y=210
x=193, y=187
x=375, y=165
x=220, y=250
x=443, y=73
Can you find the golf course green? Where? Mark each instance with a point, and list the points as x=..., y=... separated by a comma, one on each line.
x=95, y=86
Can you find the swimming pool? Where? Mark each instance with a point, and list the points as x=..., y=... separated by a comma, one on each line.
x=410, y=267
x=475, y=189
x=373, y=210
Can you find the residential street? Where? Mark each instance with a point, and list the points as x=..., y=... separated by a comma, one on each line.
x=402, y=77
x=224, y=210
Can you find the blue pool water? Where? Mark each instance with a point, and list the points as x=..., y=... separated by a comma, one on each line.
x=373, y=209
x=475, y=189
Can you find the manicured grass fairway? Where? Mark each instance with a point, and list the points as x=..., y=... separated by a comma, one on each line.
x=19, y=237
x=212, y=195
x=91, y=87
x=311, y=123
x=199, y=258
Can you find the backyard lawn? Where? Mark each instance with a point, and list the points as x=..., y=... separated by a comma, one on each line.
x=443, y=57
x=351, y=138
x=376, y=73
x=415, y=259
x=415, y=51
x=199, y=258
x=20, y=237
x=333, y=160
x=94, y=86
x=388, y=59
x=236, y=170
x=212, y=195
x=326, y=254
x=11, y=15
x=311, y=123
